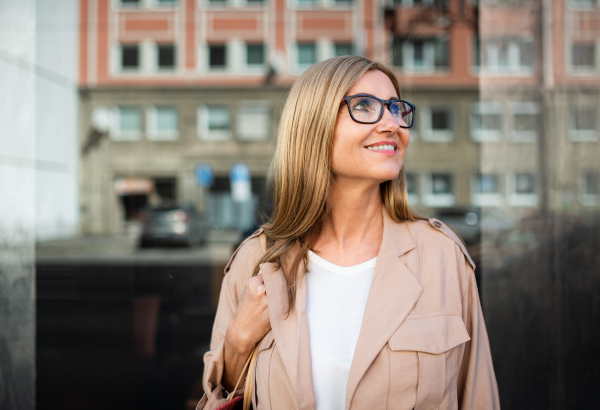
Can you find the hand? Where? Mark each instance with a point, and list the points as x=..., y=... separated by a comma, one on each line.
x=249, y=324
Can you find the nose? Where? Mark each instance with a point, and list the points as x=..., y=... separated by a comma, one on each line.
x=388, y=122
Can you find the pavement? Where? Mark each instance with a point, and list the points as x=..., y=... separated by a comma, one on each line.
x=122, y=248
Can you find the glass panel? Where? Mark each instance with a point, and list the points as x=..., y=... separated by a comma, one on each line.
x=441, y=119
x=130, y=56
x=166, y=56
x=411, y=183
x=130, y=119
x=441, y=183
x=591, y=184
x=584, y=118
x=487, y=184
x=583, y=55
x=441, y=53
x=307, y=54
x=524, y=184
x=255, y=54
x=167, y=119
x=344, y=49
x=219, y=118
x=254, y=121
x=217, y=56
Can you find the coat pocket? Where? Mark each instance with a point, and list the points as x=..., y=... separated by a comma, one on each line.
x=422, y=346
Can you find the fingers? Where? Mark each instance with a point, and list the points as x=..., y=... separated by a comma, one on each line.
x=256, y=285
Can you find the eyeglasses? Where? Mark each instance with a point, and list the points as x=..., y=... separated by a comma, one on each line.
x=366, y=109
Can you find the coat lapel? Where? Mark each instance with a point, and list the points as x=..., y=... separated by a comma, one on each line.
x=291, y=332
x=394, y=292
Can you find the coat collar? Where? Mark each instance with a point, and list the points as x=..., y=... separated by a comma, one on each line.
x=394, y=292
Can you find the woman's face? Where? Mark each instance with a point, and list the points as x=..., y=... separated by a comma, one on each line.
x=354, y=158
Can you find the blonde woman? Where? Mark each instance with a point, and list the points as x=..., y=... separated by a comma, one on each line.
x=355, y=302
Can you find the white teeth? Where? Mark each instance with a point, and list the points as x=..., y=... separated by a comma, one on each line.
x=381, y=148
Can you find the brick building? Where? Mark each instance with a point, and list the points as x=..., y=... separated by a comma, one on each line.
x=506, y=96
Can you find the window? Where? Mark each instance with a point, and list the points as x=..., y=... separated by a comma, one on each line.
x=437, y=124
x=590, y=189
x=525, y=121
x=166, y=57
x=583, y=123
x=411, y=187
x=486, y=190
x=130, y=57
x=508, y=55
x=254, y=120
x=439, y=190
x=255, y=55
x=306, y=54
x=133, y=3
x=343, y=49
x=421, y=55
x=523, y=190
x=217, y=58
x=583, y=57
x=128, y=124
x=255, y=2
x=214, y=122
x=163, y=123
x=423, y=3
x=582, y=3
x=486, y=122
x=306, y=3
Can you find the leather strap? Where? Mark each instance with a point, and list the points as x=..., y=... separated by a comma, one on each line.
x=250, y=380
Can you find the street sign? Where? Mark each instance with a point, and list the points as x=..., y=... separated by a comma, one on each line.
x=204, y=175
x=241, y=189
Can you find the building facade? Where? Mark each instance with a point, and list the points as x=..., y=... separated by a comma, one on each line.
x=506, y=95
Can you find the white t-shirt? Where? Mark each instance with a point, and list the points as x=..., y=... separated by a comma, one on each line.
x=335, y=304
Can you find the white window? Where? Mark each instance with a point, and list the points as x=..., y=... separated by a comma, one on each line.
x=486, y=122
x=254, y=121
x=582, y=3
x=411, y=187
x=590, y=189
x=255, y=55
x=583, y=123
x=214, y=122
x=439, y=190
x=163, y=123
x=436, y=123
x=421, y=54
x=522, y=190
x=584, y=56
x=525, y=120
x=128, y=124
x=486, y=190
x=306, y=55
x=508, y=55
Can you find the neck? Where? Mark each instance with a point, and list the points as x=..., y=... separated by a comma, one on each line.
x=353, y=226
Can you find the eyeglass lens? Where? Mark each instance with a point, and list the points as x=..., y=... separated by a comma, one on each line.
x=368, y=109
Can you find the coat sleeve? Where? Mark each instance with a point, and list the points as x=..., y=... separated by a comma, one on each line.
x=238, y=272
x=477, y=387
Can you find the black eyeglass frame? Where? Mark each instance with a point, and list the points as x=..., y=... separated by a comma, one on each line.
x=384, y=103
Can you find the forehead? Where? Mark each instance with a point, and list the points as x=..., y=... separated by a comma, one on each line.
x=375, y=83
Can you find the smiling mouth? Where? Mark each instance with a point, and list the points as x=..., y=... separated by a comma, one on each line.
x=385, y=147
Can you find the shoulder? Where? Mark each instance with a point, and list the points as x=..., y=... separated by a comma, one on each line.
x=248, y=253
x=433, y=233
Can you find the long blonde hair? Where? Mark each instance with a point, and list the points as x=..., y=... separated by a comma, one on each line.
x=302, y=164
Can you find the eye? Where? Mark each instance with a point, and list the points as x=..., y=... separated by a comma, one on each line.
x=362, y=104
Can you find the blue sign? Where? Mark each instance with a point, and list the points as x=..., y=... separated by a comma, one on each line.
x=241, y=190
x=204, y=175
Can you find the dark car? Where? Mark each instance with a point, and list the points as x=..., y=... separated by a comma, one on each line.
x=172, y=224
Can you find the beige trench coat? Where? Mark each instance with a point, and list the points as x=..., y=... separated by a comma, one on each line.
x=422, y=345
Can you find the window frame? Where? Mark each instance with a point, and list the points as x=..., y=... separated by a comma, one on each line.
x=426, y=131
x=486, y=135
x=586, y=198
x=203, y=132
x=118, y=134
x=531, y=108
x=266, y=135
x=434, y=200
x=583, y=135
x=523, y=200
x=486, y=199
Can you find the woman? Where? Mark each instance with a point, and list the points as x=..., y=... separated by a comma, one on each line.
x=355, y=302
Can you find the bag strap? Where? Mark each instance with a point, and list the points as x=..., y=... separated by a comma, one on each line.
x=249, y=380
x=248, y=363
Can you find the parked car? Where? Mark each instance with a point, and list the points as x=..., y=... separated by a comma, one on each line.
x=172, y=224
